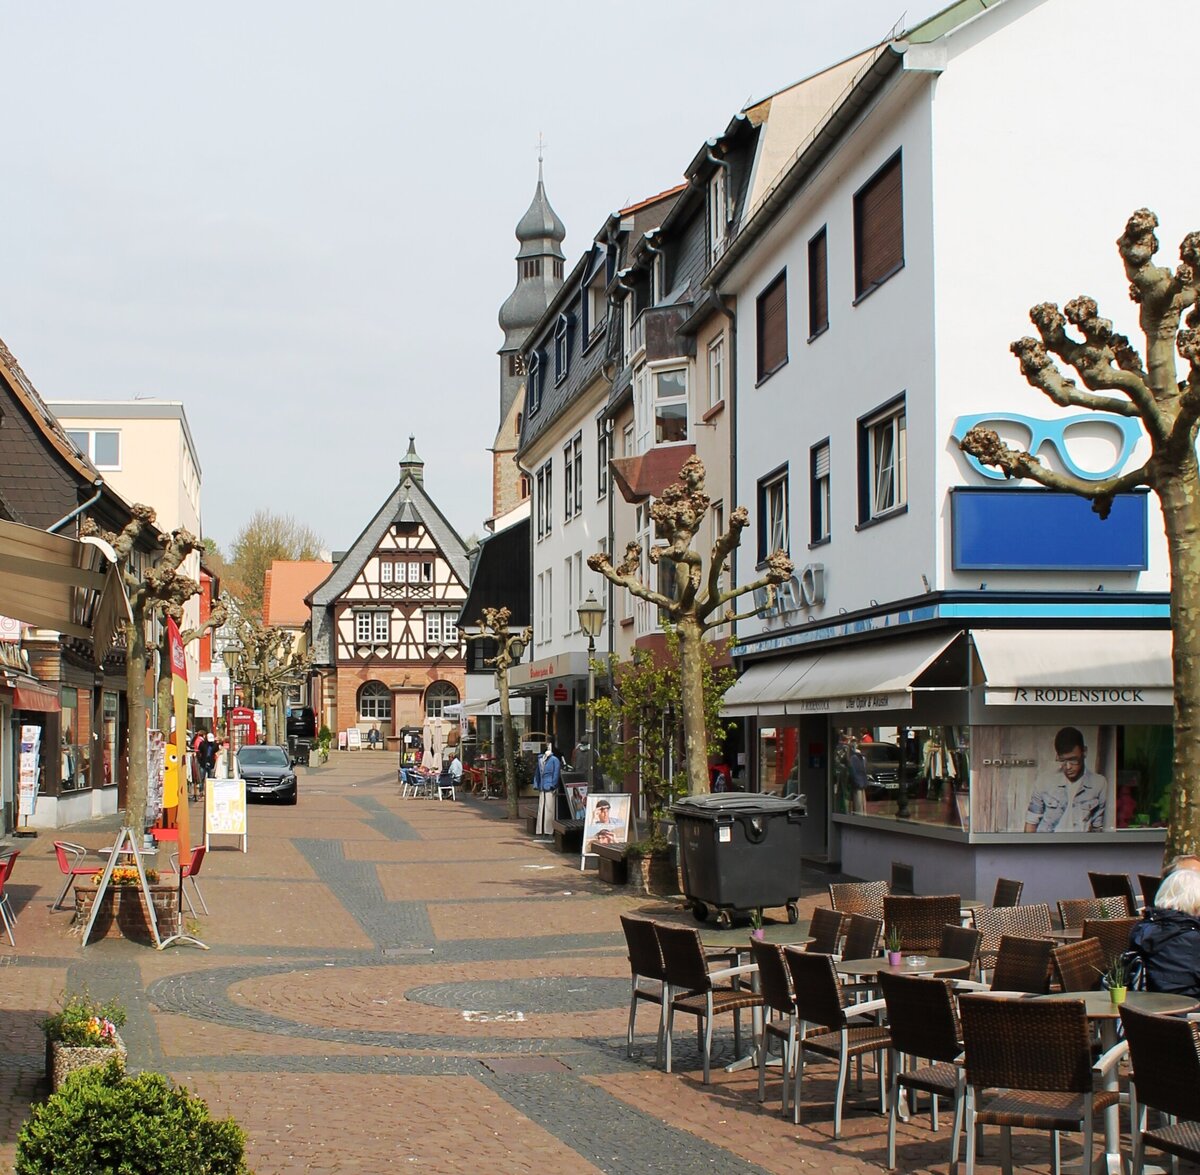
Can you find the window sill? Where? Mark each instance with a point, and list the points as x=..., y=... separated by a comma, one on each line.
x=762, y=564
x=894, y=512
x=766, y=375
x=625, y=621
x=595, y=336
x=820, y=542
x=714, y=411
x=817, y=334
x=876, y=284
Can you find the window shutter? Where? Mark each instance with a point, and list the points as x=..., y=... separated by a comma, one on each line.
x=879, y=227
x=821, y=462
x=772, y=327
x=818, y=284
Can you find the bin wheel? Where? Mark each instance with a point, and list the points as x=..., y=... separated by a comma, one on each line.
x=793, y=912
x=724, y=919
x=700, y=912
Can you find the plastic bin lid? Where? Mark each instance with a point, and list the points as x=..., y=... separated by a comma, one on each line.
x=737, y=804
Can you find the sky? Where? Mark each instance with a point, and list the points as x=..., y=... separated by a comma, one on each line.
x=297, y=217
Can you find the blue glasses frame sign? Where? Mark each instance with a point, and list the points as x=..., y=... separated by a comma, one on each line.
x=1019, y=529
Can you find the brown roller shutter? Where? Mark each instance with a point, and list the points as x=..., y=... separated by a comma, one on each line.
x=772, y=327
x=818, y=284
x=878, y=228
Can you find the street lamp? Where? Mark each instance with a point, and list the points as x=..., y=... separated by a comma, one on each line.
x=591, y=620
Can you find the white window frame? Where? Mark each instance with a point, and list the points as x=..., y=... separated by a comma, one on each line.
x=433, y=628
x=718, y=213
x=85, y=440
x=386, y=569
x=716, y=371
x=774, y=523
x=887, y=460
x=363, y=626
x=603, y=453
x=658, y=401
x=545, y=500
x=569, y=622
x=381, y=628
x=562, y=348
x=568, y=482
x=534, y=381
x=379, y=698
x=820, y=467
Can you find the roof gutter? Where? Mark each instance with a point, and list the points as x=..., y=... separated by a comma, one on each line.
x=99, y=484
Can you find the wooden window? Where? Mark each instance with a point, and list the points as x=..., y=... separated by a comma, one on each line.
x=818, y=284
x=375, y=701
x=772, y=327
x=878, y=228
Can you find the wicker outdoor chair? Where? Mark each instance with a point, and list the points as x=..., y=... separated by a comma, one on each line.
x=693, y=990
x=821, y=1001
x=862, y=937
x=775, y=986
x=1165, y=1053
x=924, y=1024
x=1079, y=966
x=647, y=977
x=1113, y=934
x=919, y=920
x=994, y=922
x=1022, y=964
x=859, y=897
x=1073, y=912
x=1148, y=883
x=1008, y=892
x=1115, y=885
x=826, y=931
x=959, y=942
x=1029, y=1065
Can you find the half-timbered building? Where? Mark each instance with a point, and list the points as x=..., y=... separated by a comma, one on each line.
x=386, y=643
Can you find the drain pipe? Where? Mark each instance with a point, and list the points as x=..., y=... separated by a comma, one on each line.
x=99, y=485
x=724, y=164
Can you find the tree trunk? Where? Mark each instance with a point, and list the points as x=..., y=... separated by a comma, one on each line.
x=1180, y=496
x=691, y=688
x=510, y=768
x=135, y=694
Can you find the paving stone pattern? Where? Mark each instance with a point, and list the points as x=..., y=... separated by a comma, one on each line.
x=396, y=982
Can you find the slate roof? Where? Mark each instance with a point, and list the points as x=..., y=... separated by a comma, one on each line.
x=501, y=578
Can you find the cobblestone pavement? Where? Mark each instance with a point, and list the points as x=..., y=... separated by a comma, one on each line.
x=417, y=982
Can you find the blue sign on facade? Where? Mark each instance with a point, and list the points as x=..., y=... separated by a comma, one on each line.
x=1018, y=529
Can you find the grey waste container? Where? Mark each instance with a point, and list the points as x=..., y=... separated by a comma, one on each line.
x=740, y=852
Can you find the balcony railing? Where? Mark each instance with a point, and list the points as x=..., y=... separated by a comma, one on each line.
x=657, y=330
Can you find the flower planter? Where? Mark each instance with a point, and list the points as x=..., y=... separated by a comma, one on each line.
x=122, y=911
x=63, y=1059
x=654, y=874
x=894, y=958
x=1117, y=995
x=758, y=933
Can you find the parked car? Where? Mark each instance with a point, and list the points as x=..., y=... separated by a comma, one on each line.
x=883, y=769
x=301, y=722
x=268, y=772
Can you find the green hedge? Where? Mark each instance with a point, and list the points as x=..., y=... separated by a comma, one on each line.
x=104, y=1121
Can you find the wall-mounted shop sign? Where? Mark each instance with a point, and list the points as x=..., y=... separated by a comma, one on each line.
x=1074, y=695
x=852, y=703
x=804, y=590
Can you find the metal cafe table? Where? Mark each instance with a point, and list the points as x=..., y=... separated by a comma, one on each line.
x=909, y=965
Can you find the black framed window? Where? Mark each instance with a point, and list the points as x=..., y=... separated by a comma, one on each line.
x=771, y=324
x=820, y=498
x=818, y=284
x=773, y=513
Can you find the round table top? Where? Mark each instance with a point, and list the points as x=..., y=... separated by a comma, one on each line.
x=1100, y=1005
x=780, y=933
x=932, y=965
x=1069, y=934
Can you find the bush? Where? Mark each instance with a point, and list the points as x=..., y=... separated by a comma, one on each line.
x=84, y=1021
x=102, y=1120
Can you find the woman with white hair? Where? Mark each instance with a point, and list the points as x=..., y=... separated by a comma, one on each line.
x=1167, y=939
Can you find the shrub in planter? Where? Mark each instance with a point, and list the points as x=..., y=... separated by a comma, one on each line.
x=83, y=1033
x=102, y=1120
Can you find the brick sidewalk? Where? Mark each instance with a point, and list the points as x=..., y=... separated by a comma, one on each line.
x=407, y=981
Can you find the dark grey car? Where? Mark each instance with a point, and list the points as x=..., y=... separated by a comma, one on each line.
x=268, y=772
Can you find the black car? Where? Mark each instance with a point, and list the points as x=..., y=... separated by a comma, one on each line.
x=883, y=770
x=268, y=772
x=301, y=722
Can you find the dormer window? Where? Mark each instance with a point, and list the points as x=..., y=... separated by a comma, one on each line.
x=535, y=381
x=718, y=215
x=562, y=348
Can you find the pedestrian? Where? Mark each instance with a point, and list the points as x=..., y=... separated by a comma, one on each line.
x=546, y=775
x=857, y=763
x=208, y=755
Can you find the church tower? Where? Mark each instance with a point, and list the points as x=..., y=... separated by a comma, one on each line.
x=539, y=277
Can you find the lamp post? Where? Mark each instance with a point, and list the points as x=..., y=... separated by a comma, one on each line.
x=591, y=620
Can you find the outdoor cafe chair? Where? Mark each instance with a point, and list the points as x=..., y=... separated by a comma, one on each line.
x=959, y=942
x=1115, y=885
x=445, y=784
x=994, y=922
x=1073, y=912
x=191, y=870
x=775, y=986
x=924, y=1026
x=1079, y=966
x=849, y=1031
x=826, y=931
x=859, y=897
x=1029, y=1065
x=1165, y=1055
x=1008, y=892
x=1022, y=965
x=647, y=977
x=919, y=920
x=69, y=857
x=7, y=916
x=862, y=937
x=1112, y=933
x=1148, y=883
x=696, y=991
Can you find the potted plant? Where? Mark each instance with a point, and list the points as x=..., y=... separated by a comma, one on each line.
x=1116, y=978
x=756, y=924
x=894, y=941
x=84, y=1032
x=103, y=1120
x=324, y=743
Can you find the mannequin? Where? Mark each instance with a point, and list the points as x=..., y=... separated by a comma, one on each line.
x=545, y=779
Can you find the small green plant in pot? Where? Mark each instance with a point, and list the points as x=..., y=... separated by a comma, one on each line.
x=894, y=942
x=83, y=1032
x=1116, y=978
x=756, y=924
x=102, y=1120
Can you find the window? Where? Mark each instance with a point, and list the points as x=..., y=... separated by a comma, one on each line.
x=773, y=513
x=818, y=284
x=570, y=620
x=716, y=371
x=573, y=476
x=882, y=456
x=603, y=453
x=437, y=697
x=524, y=486
x=419, y=571
x=772, y=327
x=818, y=465
x=557, y=268
x=660, y=407
x=535, y=381
x=627, y=441
x=386, y=567
x=545, y=501
x=375, y=701
x=878, y=228
x=718, y=215
x=596, y=302
x=577, y=461
x=532, y=267
x=441, y=628
x=372, y=627
x=545, y=606
x=516, y=365
x=102, y=447
x=658, y=279
x=562, y=348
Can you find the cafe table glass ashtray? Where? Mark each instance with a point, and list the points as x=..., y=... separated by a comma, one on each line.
x=916, y=960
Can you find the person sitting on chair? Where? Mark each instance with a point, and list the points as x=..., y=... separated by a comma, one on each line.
x=373, y=737
x=1167, y=939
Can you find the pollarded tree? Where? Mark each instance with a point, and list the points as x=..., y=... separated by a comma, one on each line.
x=268, y=662
x=1147, y=387
x=699, y=599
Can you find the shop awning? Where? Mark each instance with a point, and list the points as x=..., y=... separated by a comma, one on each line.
x=485, y=708
x=856, y=679
x=65, y=584
x=1075, y=667
x=29, y=697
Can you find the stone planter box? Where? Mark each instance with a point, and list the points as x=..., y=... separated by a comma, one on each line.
x=123, y=911
x=63, y=1059
x=654, y=875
